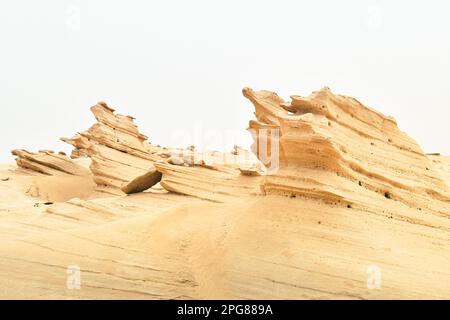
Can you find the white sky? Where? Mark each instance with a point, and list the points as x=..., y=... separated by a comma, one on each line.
x=179, y=66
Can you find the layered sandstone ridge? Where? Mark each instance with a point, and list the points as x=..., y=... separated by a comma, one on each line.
x=334, y=148
x=321, y=147
x=339, y=191
x=122, y=160
x=49, y=163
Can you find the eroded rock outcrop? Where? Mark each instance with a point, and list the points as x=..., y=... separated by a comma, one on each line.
x=362, y=196
x=49, y=163
x=208, y=184
x=329, y=143
x=123, y=159
x=210, y=175
x=119, y=152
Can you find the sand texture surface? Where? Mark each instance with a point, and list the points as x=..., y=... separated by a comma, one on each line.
x=345, y=193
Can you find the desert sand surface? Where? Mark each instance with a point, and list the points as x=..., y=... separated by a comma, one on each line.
x=347, y=192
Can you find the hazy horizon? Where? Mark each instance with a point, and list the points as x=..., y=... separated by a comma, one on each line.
x=183, y=85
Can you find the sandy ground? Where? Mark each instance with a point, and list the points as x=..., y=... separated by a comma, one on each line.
x=158, y=245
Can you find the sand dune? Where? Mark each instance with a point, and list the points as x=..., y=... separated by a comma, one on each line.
x=346, y=194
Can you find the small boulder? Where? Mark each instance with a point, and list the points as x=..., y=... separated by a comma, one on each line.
x=143, y=182
x=176, y=160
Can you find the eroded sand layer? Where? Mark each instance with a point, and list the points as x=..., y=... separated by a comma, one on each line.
x=351, y=193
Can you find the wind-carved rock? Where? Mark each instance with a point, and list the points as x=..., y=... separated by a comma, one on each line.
x=210, y=175
x=392, y=218
x=327, y=143
x=49, y=163
x=123, y=159
x=119, y=152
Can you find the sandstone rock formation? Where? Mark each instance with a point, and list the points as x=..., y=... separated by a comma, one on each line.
x=49, y=163
x=119, y=152
x=331, y=145
x=442, y=164
x=123, y=159
x=341, y=191
x=213, y=176
x=219, y=184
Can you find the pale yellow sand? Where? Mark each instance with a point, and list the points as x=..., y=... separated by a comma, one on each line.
x=158, y=245
x=356, y=210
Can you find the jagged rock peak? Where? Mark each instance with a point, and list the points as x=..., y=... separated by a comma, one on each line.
x=119, y=152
